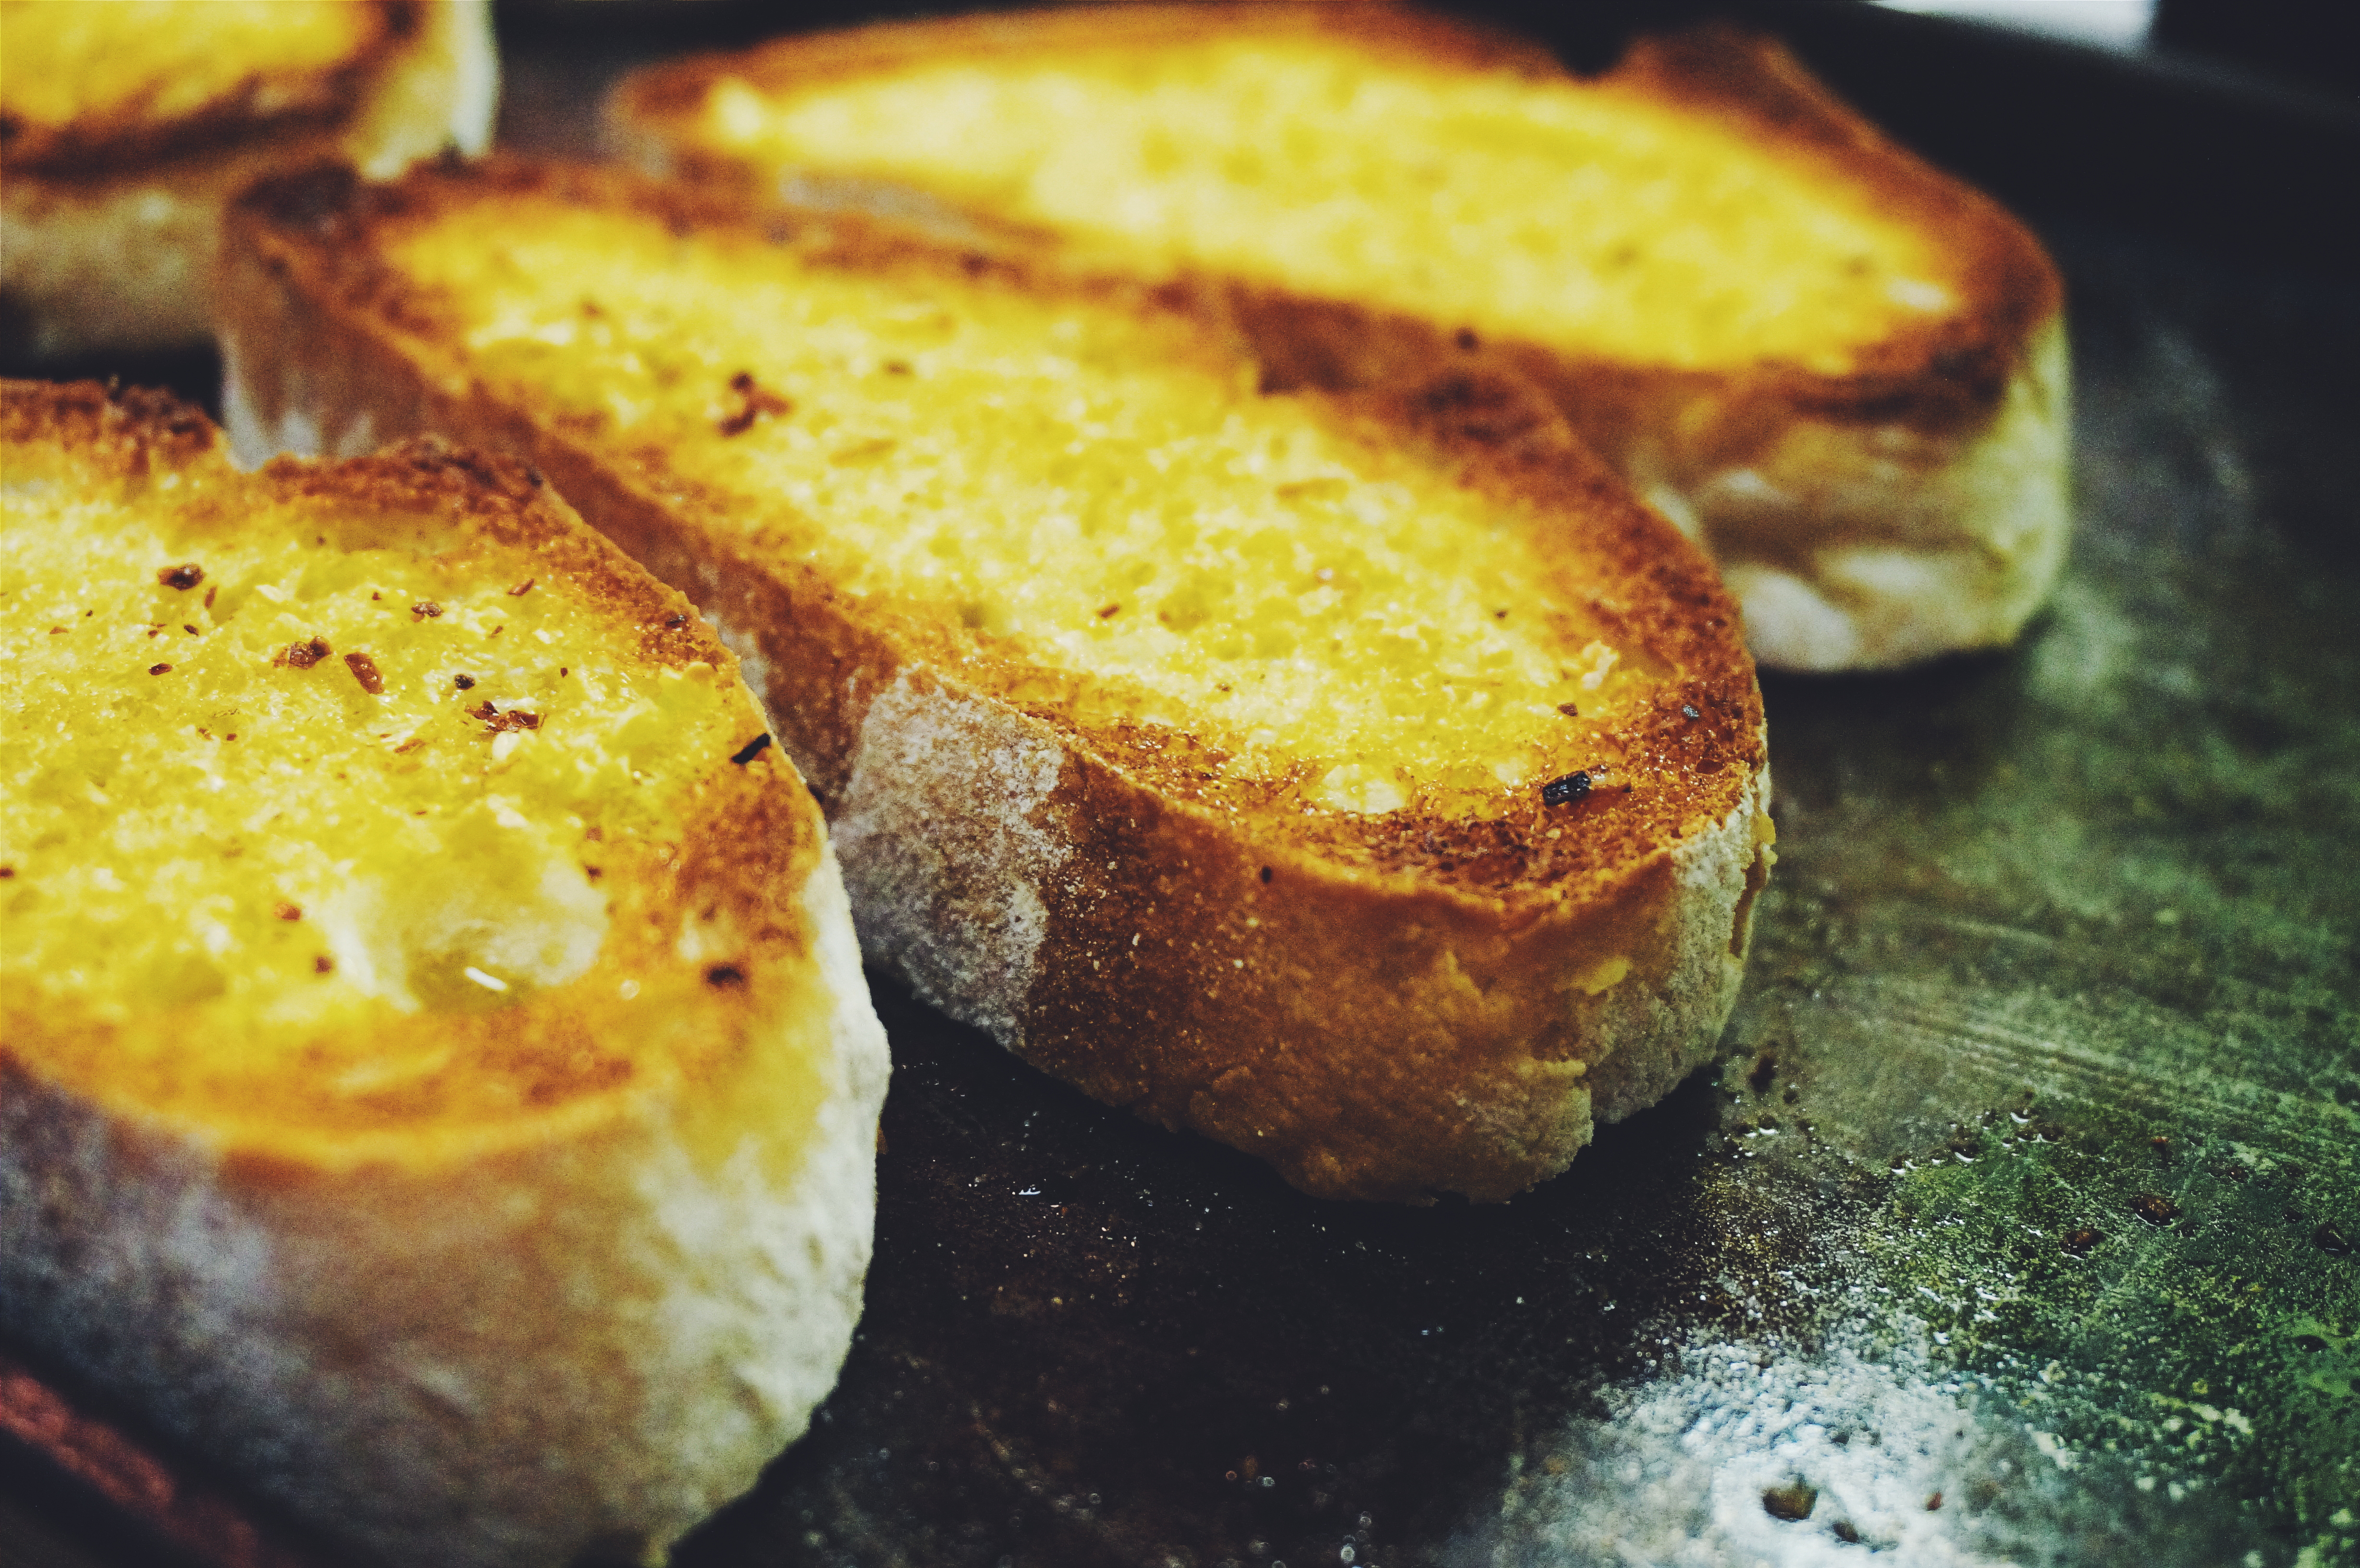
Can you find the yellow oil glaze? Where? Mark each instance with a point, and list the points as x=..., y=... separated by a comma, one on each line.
x=263, y=890
x=1582, y=215
x=1086, y=485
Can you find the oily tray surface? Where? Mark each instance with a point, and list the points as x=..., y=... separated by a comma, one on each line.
x=2028, y=1184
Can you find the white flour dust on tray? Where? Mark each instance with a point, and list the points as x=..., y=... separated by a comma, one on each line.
x=1746, y=1452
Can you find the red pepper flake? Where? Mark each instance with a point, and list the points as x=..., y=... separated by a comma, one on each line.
x=159, y=670
x=324, y=965
x=725, y=975
x=523, y=588
x=375, y=597
x=753, y=402
x=511, y=719
x=287, y=912
x=188, y=628
x=1105, y=610
x=181, y=577
x=496, y=631
x=413, y=743
x=303, y=655
x=465, y=683
x=425, y=610
x=6, y=871
x=209, y=595
x=364, y=670
x=1568, y=710
x=56, y=631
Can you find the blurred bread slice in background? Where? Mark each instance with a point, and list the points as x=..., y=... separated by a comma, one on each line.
x=125, y=128
x=1839, y=370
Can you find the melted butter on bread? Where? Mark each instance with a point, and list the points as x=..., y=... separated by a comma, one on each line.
x=1583, y=213
x=377, y=807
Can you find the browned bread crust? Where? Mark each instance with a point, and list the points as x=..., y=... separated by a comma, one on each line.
x=570, y=1283
x=1944, y=442
x=1381, y=1005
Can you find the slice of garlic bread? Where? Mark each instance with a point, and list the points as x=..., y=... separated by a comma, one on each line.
x=1368, y=783
x=124, y=128
x=436, y=1078
x=1842, y=371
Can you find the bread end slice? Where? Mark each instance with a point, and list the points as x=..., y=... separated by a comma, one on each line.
x=438, y=1082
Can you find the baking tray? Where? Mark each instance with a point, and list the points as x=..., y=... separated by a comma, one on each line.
x=2017, y=1224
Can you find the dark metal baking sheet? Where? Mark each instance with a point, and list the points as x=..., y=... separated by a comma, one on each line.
x=2017, y=1227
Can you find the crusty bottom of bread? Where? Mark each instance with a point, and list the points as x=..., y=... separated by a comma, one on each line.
x=125, y=261
x=575, y=1351
x=952, y=848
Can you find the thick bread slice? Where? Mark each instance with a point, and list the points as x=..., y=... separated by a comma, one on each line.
x=1842, y=372
x=453, y=1110
x=125, y=128
x=1367, y=783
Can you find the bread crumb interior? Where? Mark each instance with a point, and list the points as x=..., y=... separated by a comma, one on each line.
x=1086, y=489
x=298, y=766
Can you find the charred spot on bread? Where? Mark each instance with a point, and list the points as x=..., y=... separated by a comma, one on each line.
x=751, y=749
x=1565, y=790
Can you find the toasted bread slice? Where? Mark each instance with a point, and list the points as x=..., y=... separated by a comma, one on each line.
x=436, y=1079
x=124, y=128
x=1842, y=371
x=1368, y=783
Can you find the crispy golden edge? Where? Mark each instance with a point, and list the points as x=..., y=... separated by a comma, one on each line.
x=1947, y=373
x=750, y=839
x=1646, y=584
